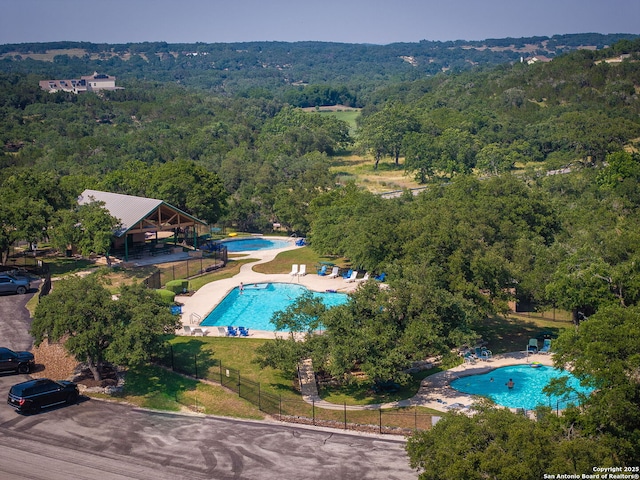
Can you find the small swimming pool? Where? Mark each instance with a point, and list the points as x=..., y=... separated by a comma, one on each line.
x=527, y=390
x=251, y=244
x=258, y=302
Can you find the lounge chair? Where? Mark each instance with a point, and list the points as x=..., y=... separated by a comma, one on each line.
x=546, y=346
x=231, y=332
x=470, y=358
x=301, y=242
x=380, y=277
x=334, y=272
x=352, y=278
x=243, y=332
x=532, y=347
x=200, y=332
x=222, y=332
x=187, y=330
x=363, y=279
x=485, y=354
x=294, y=270
x=323, y=271
x=303, y=270
x=347, y=274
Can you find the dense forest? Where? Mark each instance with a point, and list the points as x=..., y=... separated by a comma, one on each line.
x=531, y=175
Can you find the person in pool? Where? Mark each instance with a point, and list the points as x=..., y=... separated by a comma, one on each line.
x=510, y=384
x=241, y=288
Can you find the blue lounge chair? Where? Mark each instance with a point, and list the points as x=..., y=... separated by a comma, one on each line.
x=323, y=270
x=546, y=346
x=380, y=277
x=244, y=332
x=347, y=274
x=469, y=358
x=231, y=332
x=301, y=242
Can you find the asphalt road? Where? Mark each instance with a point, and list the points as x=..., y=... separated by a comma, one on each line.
x=95, y=439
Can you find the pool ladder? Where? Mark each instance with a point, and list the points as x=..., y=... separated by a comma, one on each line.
x=194, y=318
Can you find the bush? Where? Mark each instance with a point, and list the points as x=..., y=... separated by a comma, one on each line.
x=177, y=286
x=166, y=295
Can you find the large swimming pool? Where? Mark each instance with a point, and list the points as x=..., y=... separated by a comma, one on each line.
x=527, y=390
x=254, y=307
x=254, y=243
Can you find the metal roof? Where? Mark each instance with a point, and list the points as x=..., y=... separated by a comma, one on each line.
x=130, y=210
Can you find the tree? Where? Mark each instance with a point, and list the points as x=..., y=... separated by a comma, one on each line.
x=382, y=133
x=191, y=188
x=580, y=284
x=95, y=328
x=89, y=227
x=27, y=204
x=420, y=155
x=497, y=443
x=603, y=351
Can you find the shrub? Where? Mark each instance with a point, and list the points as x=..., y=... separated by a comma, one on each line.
x=166, y=295
x=177, y=286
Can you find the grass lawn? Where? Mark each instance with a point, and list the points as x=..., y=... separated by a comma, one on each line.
x=282, y=262
x=511, y=334
x=208, y=353
x=160, y=389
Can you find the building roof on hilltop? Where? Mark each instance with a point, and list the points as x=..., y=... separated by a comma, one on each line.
x=139, y=214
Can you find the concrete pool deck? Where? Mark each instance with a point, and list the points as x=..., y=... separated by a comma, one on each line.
x=197, y=306
x=435, y=391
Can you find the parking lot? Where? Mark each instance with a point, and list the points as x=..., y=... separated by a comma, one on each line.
x=96, y=439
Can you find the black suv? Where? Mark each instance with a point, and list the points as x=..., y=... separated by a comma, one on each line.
x=31, y=396
x=10, y=361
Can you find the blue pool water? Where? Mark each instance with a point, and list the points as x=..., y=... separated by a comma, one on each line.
x=258, y=302
x=254, y=243
x=527, y=392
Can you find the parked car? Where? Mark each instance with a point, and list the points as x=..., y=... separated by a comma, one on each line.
x=33, y=395
x=12, y=284
x=10, y=361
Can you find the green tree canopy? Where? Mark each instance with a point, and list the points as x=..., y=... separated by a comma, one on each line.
x=95, y=328
x=88, y=227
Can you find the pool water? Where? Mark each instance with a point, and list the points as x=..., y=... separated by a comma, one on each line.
x=254, y=243
x=528, y=384
x=256, y=305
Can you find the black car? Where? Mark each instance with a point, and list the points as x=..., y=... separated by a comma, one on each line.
x=33, y=395
x=10, y=361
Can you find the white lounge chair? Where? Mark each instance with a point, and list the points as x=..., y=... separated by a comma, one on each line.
x=222, y=332
x=303, y=270
x=200, y=332
x=334, y=272
x=363, y=279
x=187, y=330
x=352, y=278
x=294, y=270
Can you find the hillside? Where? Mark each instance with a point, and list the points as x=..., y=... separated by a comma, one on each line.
x=270, y=68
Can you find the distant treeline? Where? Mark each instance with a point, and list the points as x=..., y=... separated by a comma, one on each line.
x=283, y=69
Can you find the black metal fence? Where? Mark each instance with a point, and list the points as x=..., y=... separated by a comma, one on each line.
x=374, y=420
